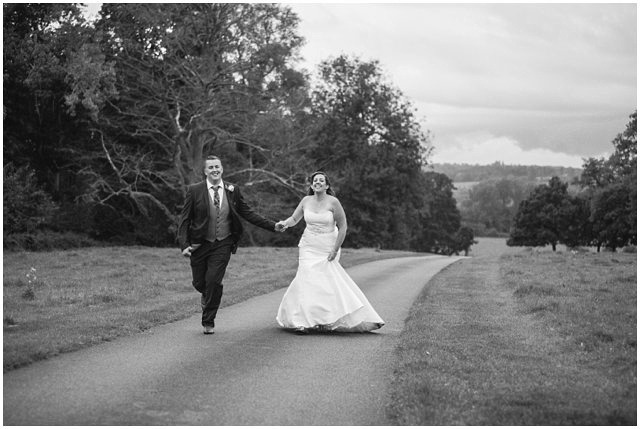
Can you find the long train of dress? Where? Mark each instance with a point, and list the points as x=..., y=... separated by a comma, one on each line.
x=322, y=295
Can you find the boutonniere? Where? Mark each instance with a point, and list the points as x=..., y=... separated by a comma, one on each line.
x=229, y=188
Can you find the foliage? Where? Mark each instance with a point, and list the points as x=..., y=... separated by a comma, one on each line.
x=116, y=115
x=492, y=204
x=46, y=241
x=190, y=79
x=39, y=41
x=540, y=219
x=611, y=186
x=365, y=135
x=578, y=225
x=464, y=239
x=26, y=207
x=440, y=219
x=488, y=196
x=610, y=214
x=499, y=170
x=603, y=213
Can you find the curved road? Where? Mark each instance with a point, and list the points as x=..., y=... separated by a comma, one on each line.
x=249, y=372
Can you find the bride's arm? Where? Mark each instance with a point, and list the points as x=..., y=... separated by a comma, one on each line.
x=341, y=221
x=296, y=216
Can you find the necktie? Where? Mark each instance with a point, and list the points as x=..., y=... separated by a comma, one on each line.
x=216, y=197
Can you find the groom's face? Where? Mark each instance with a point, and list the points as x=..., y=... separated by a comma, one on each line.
x=213, y=170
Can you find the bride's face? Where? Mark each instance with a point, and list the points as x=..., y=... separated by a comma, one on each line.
x=319, y=183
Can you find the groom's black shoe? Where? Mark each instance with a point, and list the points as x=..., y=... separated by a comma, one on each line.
x=208, y=330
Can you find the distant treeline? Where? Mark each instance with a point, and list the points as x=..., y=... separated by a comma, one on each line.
x=539, y=205
x=488, y=196
x=499, y=170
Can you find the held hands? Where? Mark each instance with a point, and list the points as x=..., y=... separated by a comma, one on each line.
x=281, y=226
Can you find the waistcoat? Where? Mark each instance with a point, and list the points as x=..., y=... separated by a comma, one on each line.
x=219, y=220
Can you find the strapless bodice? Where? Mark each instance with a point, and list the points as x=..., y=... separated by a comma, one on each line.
x=320, y=223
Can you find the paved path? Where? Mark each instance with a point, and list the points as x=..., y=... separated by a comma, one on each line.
x=249, y=372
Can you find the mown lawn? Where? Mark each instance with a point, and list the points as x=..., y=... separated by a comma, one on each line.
x=59, y=301
x=519, y=336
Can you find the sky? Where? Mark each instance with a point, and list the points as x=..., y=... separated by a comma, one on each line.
x=528, y=84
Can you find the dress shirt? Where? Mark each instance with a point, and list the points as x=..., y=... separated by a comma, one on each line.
x=211, y=186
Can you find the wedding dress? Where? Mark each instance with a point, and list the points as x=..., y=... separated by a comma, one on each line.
x=322, y=295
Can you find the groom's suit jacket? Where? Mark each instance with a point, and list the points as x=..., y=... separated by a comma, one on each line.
x=194, y=218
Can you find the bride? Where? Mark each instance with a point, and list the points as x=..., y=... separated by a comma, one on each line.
x=322, y=296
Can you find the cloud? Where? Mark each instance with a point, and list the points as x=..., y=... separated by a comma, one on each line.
x=561, y=78
x=484, y=148
x=574, y=133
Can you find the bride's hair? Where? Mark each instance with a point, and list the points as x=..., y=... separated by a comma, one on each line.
x=326, y=178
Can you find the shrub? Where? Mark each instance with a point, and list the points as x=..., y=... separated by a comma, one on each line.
x=46, y=240
x=25, y=205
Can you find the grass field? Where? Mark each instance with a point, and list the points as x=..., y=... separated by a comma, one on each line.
x=55, y=302
x=521, y=337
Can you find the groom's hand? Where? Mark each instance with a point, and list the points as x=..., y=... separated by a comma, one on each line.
x=281, y=226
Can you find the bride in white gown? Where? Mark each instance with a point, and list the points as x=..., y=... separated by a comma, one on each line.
x=322, y=296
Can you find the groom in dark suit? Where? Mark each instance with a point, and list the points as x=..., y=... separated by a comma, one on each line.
x=209, y=230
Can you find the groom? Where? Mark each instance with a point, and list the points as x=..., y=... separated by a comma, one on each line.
x=209, y=230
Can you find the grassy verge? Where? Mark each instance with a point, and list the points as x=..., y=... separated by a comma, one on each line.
x=60, y=301
x=521, y=337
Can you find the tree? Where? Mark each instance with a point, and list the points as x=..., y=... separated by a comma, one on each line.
x=190, y=79
x=25, y=206
x=578, y=226
x=363, y=131
x=464, y=240
x=611, y=186
x=439, y=218
x=623, y=161
x=39, y=41
x=610, y=208
x=541, y=218
x=493, y=203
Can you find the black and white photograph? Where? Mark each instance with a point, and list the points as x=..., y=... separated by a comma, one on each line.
x=320, y=214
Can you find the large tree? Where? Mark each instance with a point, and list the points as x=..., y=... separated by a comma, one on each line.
x=190, y=79
x=611, y=186
x=542, y=218
x=365, y=134
x=40, y=40
x=439, y=218
x=610, y=207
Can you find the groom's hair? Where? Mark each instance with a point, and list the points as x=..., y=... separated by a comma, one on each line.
x=209, y=158
x=326, y=178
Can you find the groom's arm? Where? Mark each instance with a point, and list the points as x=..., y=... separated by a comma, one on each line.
x=247, y=213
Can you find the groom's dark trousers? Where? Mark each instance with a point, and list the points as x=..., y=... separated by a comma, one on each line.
x=208, y=266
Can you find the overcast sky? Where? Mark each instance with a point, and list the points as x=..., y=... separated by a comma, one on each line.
x=545, y=84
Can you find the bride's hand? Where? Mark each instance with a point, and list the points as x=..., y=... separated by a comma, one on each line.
x=332, y=255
